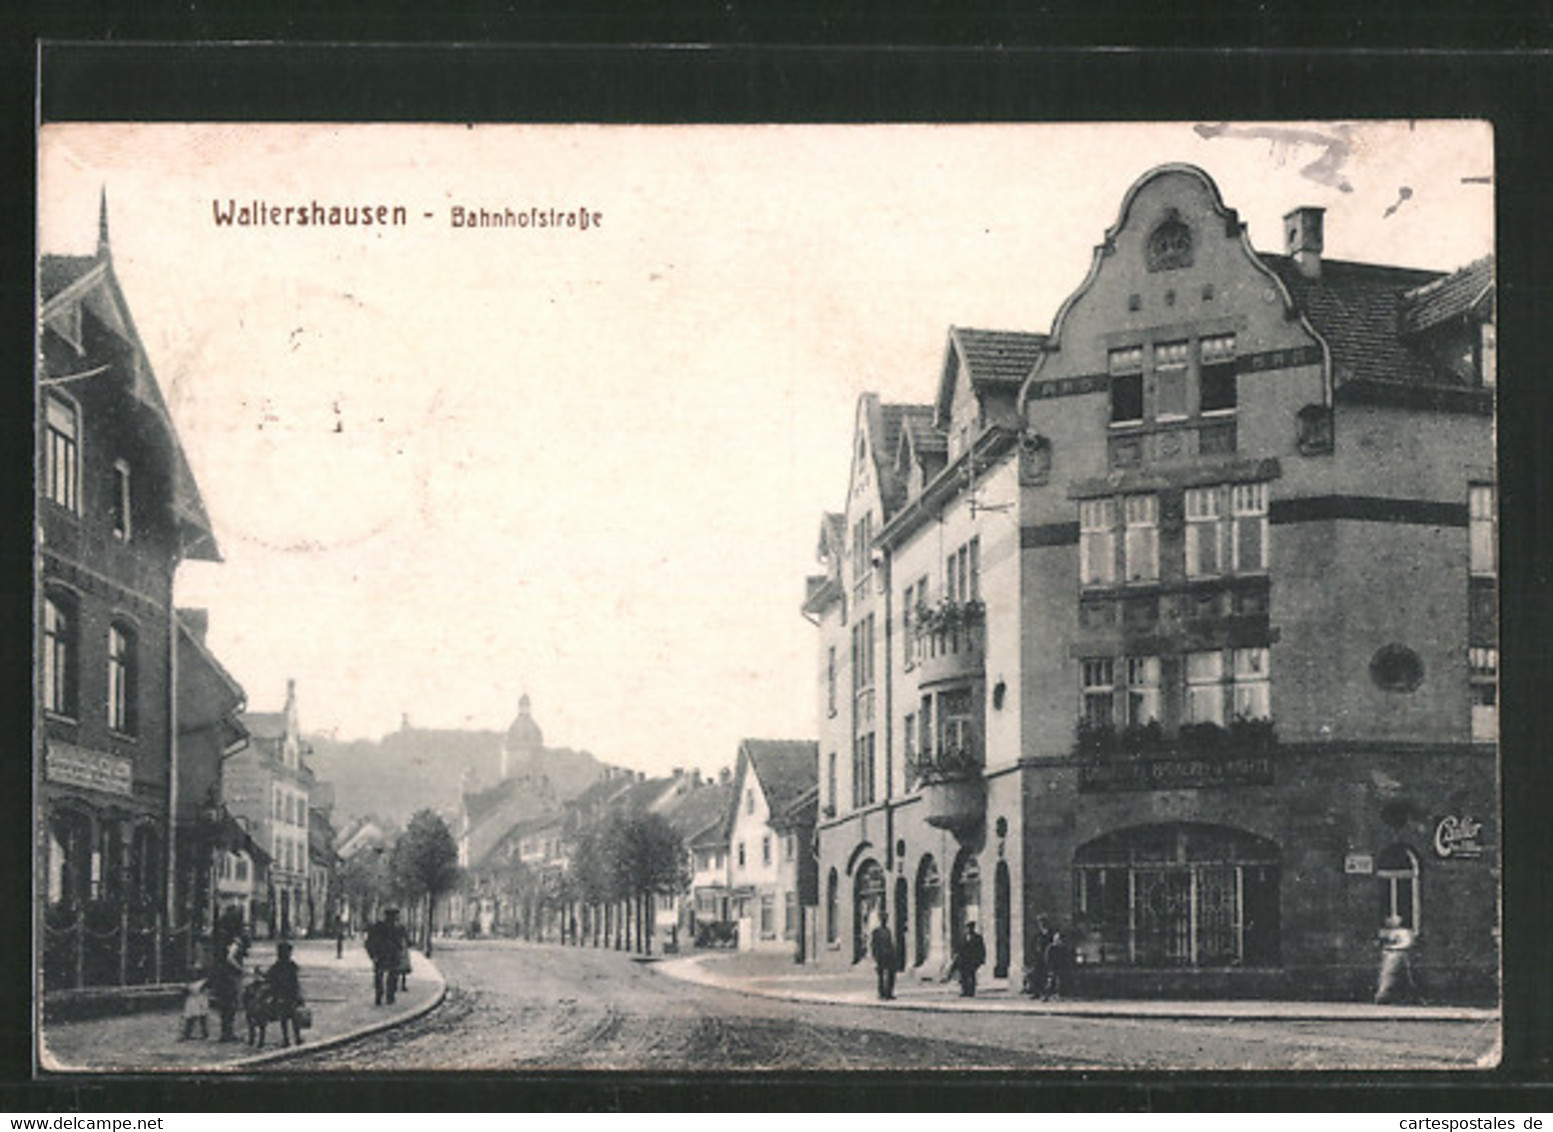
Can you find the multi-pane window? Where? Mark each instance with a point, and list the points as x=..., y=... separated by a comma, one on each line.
x=121, y=680
x=1226, y=529
x=862, y=547
x=1252, y=684
x=1097, y=542
x=1140, y=550
x=1205, y=532
x=1228, y=684
x=1218, y=383
x=118, y=503
x=765, y=849
x=1126, y=368
x=1483, y=674
x=790, y=915
x=909, y=738
x=62, y=443
x=1205, y=687
x=767, y=916
x=1170, y=375
x=830, y=777
x=1142, y=690
x=1098, y=685
x=1248, y=521
x=863, y=770
x=59, y=655
x=962, y=573
x=830, y=681
x=1484, y=551
x=908, y=611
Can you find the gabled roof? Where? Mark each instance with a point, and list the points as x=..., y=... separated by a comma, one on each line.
x=833, y=536
x=1357, y=308
x=1003, y=357
x=701, y=810
x=73, y=283
x=785, y=768
x=1459, y=293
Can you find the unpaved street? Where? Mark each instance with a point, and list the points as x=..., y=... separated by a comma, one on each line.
x=514, y=1006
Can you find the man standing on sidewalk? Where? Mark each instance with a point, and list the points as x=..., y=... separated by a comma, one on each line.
x=389, y=947
x=968, y=959
x=882, y=943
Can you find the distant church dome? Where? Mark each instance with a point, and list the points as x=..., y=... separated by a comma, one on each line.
x=523, y=738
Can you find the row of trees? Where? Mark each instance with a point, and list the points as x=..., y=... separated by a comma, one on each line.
x=605, y=893
x=414, y=871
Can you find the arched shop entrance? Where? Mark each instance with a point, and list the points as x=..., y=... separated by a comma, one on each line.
x=930, y=910
x=1183, y=894
x=868, y=895
x=965, y=893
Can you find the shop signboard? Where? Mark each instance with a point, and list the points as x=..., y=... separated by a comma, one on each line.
x=1456, y=837
x=70, y=765
x=1175, y=774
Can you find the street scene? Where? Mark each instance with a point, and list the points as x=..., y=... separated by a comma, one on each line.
x=689, y=600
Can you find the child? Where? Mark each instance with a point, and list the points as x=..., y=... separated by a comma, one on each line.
x=195, y=1008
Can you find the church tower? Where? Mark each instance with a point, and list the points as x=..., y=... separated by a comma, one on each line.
x=524, y=740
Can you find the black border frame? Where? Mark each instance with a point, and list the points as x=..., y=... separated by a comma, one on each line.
x=958, y=80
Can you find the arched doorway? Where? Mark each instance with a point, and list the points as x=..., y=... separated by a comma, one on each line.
x=1001, y=921
x=1396, y=867
x=930, y=904
x=964, y=893
x=900, y=923
x=1179, y=894
x=868, y=895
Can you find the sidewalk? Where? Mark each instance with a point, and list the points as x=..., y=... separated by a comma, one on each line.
x=338, y=990
x=777, y=976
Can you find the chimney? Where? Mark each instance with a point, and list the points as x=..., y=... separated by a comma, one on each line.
x=197, y=621
x=1303, y=239
x=724, y=776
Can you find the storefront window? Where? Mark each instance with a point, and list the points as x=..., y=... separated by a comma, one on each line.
x=1178, y=895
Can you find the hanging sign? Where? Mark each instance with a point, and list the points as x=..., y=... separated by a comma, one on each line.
x=1457, y=837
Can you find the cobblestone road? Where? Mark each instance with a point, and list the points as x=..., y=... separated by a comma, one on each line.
x=514, y=1006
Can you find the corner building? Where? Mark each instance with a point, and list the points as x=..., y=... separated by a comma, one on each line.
x=1178, y=627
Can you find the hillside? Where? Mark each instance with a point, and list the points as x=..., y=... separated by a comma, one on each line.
x=414, y=767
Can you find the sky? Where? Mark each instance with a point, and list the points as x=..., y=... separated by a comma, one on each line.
x=447, y=466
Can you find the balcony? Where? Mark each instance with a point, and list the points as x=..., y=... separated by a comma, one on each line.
x=950, y=642
x=953, y=790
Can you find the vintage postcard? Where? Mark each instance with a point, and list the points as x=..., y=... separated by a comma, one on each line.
x=787, y=597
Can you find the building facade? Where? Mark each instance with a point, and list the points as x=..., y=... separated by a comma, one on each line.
x=766, y=846
x=117, y=509
x=267, y=788
x=1205, y=669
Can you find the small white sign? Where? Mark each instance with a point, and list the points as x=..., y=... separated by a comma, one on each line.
x=1359, y=864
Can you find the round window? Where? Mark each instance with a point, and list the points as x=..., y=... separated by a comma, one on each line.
x=1397, y=668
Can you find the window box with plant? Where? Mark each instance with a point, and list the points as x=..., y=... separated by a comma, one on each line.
x=949, y=639
x=1240, y=737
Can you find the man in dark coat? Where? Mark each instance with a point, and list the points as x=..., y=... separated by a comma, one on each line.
x=881, y=942
x=968, y=959
x=1035, y=957
x=1059, y=967
x=389, y=947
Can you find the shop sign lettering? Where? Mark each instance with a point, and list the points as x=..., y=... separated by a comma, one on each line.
x=1176, y=774
x=74, y=766
x=1458, y=837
